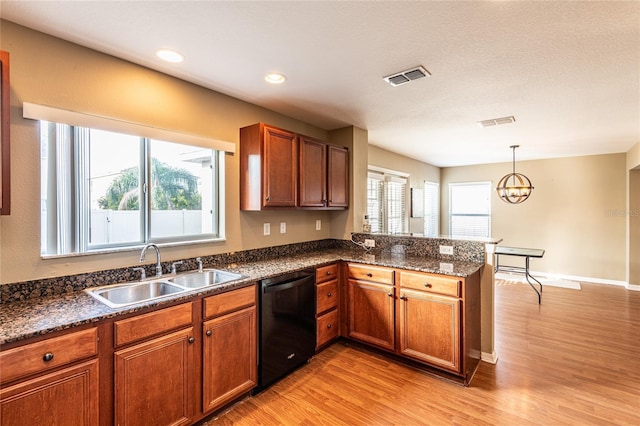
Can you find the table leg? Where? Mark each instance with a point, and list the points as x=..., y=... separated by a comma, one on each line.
x=528, y=275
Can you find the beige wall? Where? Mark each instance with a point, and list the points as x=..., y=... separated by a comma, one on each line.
x=573, y=213
x=418, y=173
x=633, y=215
x=46, y=70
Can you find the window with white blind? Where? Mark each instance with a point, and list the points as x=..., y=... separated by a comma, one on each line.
x=387, y=201
x=470, y=209
x=431, y=209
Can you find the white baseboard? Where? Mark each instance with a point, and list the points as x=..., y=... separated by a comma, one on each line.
x=491, y=358
x=578, y=278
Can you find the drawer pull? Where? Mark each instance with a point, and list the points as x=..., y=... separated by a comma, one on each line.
x=328, y=325
x=329, y=294
x=389, y=294
x=191, y=340
x=403, y=297
x=328, y=272
x=369, y=274
x=208, y=333
x=427, y=285
x=47, y=357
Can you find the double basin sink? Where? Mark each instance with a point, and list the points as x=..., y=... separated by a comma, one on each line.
x=120, y=295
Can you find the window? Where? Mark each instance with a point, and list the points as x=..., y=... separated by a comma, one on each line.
x=470, y=209
x=387, y=201
x=104, y=190
x=431, y=209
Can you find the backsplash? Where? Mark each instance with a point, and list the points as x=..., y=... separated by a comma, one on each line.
x=465, y=250
x=14, y=292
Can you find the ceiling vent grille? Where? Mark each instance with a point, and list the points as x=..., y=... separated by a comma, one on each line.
x=497, y=121
x=406, y=76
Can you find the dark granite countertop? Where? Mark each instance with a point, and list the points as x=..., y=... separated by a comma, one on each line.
x=23, y=319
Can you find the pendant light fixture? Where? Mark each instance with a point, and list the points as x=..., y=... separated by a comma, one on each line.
x=514, y=188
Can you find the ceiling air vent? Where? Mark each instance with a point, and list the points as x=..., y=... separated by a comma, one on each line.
x=406, y=76
x=497, y=121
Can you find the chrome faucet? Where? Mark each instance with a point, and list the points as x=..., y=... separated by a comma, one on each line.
x=158, y=264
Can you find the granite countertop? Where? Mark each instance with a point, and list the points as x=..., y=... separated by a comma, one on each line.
x=24, y=319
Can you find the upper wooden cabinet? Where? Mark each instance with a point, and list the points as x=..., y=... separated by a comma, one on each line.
x=268, y=167
x=281, y=169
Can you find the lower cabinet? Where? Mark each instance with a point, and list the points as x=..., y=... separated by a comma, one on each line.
x=435, y=318
x=327, y=301
x=229, y=348
x=51, y=382
x=152, y=381
x=371, y=313
x=429, y=328
x=68, y=397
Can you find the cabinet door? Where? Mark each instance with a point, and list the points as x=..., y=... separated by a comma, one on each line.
x=229, y=357
x=371, y=313
x=430, y=328
x=280, y=173
x=338, y=177
x=152, y=381
x=313, y=173
x=68, y=397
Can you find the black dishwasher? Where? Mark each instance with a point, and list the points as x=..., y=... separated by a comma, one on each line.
x=287, y=325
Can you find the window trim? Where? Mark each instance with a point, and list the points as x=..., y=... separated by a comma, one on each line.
x=70, y=237
x=385, y=176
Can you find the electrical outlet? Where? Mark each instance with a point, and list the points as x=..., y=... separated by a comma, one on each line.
x=446, y=267
x=318, y=224
x=446, y=250
x=266, y=229
x=370, y=243
x=283, y=227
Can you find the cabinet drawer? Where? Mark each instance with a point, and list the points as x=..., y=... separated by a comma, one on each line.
x=451, y=286
x=230, y=301
x=29, y=359
x=327, y=328
x=371, y=273
x=326, y=296
x=151, y=324
x=326, y=273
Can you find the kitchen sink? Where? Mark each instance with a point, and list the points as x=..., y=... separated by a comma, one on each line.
x=120, y=295
x=207, y=277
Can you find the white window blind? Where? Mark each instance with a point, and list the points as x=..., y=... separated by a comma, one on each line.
x=387, y=202
x=470, y=209
x=431, y=209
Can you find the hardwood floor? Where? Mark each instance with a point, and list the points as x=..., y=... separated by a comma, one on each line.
x=574, y=360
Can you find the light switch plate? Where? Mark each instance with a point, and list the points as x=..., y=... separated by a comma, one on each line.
x=318, y=224
x=266, y=228
x=283, y=227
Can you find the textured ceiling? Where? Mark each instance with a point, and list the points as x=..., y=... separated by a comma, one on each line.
x=568, y=71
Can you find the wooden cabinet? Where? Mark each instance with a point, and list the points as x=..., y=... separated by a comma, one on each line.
x=327, y=299
x=429, y=328
x=268, y=167
x=371, y=305
x=338, y=177
x=154, y=379
x=5, y=131
x=324, y=175
x=55, y=381
x=229, y=347
x=280, y=169
x=435, y=318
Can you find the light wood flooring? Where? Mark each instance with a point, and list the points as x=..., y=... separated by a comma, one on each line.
x=574, y=360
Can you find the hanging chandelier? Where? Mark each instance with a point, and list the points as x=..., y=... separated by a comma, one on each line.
x=514, y=188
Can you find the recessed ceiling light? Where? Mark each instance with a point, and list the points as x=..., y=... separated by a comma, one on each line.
x=275, y=78
x=170, y=55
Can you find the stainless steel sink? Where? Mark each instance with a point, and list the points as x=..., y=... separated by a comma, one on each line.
x=120, y=295
x=207, y=277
